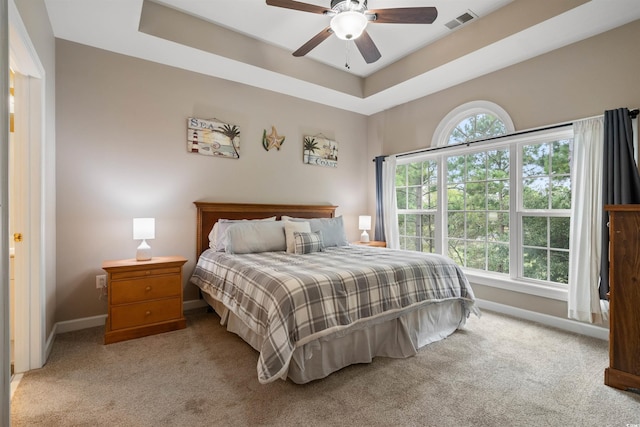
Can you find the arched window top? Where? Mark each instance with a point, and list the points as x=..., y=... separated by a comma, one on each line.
x=471, y=122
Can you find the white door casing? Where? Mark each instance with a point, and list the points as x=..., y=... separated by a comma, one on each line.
x=29, y=142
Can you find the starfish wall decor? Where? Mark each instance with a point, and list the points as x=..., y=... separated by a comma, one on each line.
x=273, y=140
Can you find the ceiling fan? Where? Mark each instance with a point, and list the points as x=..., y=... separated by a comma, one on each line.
x=349, y=21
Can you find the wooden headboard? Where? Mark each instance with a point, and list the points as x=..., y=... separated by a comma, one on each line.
x=209, y=213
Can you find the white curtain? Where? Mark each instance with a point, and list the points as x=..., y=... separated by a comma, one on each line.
x=389, y=203
x=586, y=221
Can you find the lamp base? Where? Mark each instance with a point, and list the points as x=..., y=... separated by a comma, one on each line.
x=143, y=253
x=364, y=237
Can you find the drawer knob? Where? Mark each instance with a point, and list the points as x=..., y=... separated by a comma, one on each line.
x=147, y=272
x=148, y=288
x=147, y=313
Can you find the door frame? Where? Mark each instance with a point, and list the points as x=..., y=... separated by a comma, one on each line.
x=4, y=219
x=30, y=327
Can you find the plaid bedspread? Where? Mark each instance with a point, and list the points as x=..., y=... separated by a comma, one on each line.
x=292, y=299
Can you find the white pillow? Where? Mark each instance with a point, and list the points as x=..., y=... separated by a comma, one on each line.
x=255, y=236
x=217, y=237
x=213, y=236
x=289, y=228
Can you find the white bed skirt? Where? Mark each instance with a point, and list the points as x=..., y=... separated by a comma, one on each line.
x=390, y=336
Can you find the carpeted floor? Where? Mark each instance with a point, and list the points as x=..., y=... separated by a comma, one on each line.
x=498, y=371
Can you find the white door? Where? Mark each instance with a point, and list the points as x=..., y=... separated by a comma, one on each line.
x=19, y=231
x=27, y=206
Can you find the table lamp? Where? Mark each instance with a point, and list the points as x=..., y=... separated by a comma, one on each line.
x=144, y=228
x=364, y=224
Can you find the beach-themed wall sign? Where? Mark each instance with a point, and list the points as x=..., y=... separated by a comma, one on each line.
x=320, y=151
x=212, y=137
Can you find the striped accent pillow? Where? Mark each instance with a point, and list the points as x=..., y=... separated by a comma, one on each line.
x=306, y=243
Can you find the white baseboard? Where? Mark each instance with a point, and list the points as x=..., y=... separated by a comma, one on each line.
x=91, y=322
x=82, y=323
x=194, y=304
x=545, y=319
x=48, y=346
x=15, y=382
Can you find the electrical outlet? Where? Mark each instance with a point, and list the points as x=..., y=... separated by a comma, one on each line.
x=101, y=281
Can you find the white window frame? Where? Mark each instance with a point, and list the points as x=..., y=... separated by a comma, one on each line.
x=458, y=114
x=477, y=148
x=512, y=281
x=438, y=232
x=553, y=135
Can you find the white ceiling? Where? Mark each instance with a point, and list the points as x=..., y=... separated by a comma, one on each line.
x=290, y=29
x=113, y=25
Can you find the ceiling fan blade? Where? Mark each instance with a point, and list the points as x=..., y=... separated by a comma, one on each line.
x=315, y=41
x=367, y=48
x=404, y=15
x=296, y=5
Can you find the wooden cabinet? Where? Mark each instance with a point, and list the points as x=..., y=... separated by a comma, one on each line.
x=376, y=243
x=624, y=297
x=145, y=297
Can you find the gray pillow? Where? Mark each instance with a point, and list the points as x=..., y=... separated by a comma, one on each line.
x=218, y=236
x=332, y=229
x=255, y=236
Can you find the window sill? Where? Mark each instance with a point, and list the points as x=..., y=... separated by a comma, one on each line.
x=508, y=284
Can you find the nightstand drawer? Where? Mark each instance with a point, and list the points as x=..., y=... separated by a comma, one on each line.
x=145, y=313
x=144, y=273
x=126, y=291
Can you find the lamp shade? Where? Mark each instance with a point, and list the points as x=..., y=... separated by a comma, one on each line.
x=348, y=25
x=144, y=228
x=364, y=222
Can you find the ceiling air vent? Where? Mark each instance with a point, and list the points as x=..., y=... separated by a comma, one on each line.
x=462, y=19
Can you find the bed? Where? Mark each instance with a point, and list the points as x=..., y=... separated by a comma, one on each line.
x=314, y=307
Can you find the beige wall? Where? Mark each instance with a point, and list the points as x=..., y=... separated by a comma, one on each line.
x=121, y=153
x=121, y=148
x=578, y=81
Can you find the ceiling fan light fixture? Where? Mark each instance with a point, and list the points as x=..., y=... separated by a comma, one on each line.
x=348, y=25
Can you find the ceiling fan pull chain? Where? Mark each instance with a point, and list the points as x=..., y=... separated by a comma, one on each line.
x=347, y=51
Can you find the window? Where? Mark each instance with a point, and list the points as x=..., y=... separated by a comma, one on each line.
x=471, y=122
x=546, y=207
x=477, y=210
x=499, y=208
x=476, y=127
x=417, y=196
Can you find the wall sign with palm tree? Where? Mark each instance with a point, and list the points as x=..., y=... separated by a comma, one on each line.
x=212, y=137
x=319, y=150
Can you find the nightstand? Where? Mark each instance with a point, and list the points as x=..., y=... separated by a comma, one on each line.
x=145, y=297
x=376, y=243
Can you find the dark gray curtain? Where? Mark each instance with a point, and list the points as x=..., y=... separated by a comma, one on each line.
x=621, y=182
x=379, y=229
